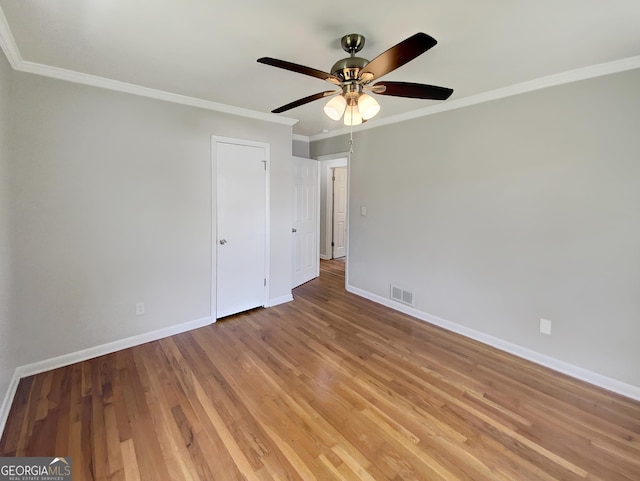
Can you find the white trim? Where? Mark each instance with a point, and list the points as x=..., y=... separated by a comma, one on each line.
x=8, y=401
x=8, y=43
x=110, y=347
x=280, y=300
x=576, y=75
x=214, y=229
x=214, y=225
x=10, y=48
x=577, y=372
x=301, y=138
x=267, y=222
x=105, y=83
x=348, y=242
x=339, y=155
x=318, y=200
x=330, y=207
x=90, y=353
x=328, y=163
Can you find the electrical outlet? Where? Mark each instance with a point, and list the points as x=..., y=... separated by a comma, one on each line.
x=545, y=326
x=139, y=308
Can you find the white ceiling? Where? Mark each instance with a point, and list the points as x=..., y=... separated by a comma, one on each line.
x=207, y=49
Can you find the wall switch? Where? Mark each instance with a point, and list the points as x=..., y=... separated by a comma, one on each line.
x=139, y=308
x=545, y=326
x=363, y=210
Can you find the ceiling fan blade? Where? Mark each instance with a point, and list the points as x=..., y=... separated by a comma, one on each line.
x=412, y=90
x=306, y=100
x=294, y=67
x=397, y=56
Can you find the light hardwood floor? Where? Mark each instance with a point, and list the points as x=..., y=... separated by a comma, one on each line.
x=329, y=386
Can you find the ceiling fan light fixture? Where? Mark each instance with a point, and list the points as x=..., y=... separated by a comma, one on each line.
x=354, y=74
x=335, y=107
x=368, y=106
x=352, y=116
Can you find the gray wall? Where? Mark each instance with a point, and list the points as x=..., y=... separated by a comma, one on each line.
x=300, y=148
x=502, y=213
x=7, y=358
x=112, y=197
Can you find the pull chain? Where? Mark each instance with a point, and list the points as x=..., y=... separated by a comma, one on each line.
x=351, y=130
x=351, y=140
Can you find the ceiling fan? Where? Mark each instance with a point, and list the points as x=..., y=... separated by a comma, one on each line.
x=355, y=74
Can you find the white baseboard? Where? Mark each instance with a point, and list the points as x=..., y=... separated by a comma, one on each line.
x=582, y=374
x=90, y=353
x=280, y=300
x=8, y=400
x=325, y=257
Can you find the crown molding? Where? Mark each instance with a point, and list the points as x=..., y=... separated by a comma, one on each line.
x=10, y=49
x=585, y=73
x=105, y=83
x=8, y=43
x=301, y=138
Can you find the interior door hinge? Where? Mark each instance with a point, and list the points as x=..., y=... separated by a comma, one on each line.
x=265, y=282
x=332, y=244
x=264, y=162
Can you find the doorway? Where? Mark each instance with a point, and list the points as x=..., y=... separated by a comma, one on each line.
x=327, y=166
x=240, y=225
x=339, y=213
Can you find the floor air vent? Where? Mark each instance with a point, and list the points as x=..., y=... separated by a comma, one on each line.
x=400, y=295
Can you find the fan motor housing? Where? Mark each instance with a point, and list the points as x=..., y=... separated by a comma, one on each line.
x=348, y=68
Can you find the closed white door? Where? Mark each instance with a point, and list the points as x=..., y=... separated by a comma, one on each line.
x=339, y=242
x=306, y=220
x=241, y=225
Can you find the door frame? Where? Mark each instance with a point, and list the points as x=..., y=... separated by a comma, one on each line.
x=331, y=216
x=215, y=139
x=327, y=164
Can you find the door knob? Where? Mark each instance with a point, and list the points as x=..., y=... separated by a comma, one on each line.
x=223, y=242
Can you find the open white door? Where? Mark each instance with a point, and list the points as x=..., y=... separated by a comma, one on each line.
x=241, y=225
x=339, y=242
x=306, y=220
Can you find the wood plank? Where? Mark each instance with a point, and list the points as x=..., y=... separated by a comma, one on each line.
x=130, y=461
x=329, y=386
x=13, y=427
